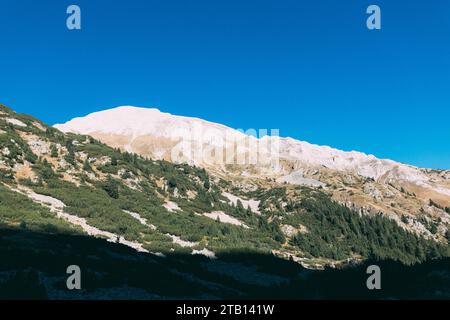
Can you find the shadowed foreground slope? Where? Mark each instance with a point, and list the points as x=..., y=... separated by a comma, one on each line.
x=33, y=265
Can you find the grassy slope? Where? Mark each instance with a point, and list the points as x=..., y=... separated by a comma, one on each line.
x=335, y=231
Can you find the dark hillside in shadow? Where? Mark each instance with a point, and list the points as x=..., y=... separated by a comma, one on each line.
x=33, y=266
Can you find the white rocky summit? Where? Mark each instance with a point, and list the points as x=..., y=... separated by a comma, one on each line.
x=156, y=134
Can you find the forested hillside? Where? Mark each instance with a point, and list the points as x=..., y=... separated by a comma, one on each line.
x=60, y=183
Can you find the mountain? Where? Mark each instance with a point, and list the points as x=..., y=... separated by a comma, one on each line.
x=136, y=129
x=235, y=230
x=364, y=182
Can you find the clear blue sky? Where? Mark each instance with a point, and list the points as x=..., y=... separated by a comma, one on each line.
x=310, y=68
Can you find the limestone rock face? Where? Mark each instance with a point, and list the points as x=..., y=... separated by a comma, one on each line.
x=150, y=132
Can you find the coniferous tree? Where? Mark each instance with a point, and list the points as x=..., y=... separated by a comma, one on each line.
x=86, y=165
x=53, y=151
x=114, y=160
x=111, y=187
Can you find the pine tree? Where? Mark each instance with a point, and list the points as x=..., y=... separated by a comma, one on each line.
x=207, y=184
x=433, y=228
x=86, y=165
x=239, y=206
x=54, y=151
x=114, y=160
x=111, y=188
